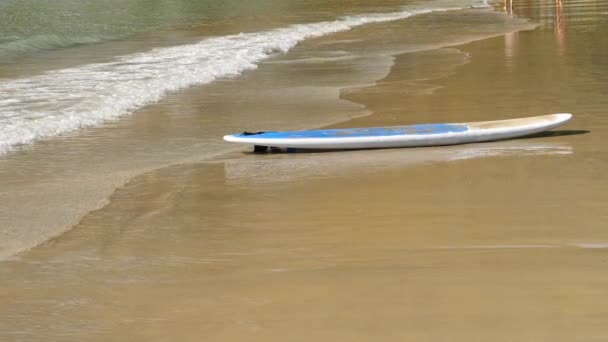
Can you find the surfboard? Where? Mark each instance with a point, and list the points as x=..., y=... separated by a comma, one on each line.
x=433, y=134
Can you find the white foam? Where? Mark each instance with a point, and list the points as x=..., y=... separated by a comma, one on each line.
x=66, y=100
x=483, y=4
x=315, y=60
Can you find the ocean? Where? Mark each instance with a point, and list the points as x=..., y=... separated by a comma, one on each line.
x=91, y=92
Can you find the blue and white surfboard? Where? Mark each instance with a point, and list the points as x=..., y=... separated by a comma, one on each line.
x=402, y=136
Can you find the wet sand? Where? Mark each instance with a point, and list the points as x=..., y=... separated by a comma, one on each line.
x=502, y=241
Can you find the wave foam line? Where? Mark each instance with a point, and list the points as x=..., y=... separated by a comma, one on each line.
x=69, y=99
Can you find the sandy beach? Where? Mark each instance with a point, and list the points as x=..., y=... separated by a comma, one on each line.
x=502, y=241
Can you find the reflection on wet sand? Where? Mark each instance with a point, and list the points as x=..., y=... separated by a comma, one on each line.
x=300, y=166
x=509, y=5
x=560, y=27
x=559, y=22
x=511, y=44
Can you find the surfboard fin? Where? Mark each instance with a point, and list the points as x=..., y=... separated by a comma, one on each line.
x=260, y=149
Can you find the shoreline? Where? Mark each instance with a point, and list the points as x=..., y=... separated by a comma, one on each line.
x=123, y=176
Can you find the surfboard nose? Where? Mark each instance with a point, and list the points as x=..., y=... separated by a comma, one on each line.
x=229, y=137
x=563, y=117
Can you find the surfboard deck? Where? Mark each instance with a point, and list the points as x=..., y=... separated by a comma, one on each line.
x=434, y=134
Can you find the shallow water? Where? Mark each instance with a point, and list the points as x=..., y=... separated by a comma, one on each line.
x=66, y=177
x=500, y=241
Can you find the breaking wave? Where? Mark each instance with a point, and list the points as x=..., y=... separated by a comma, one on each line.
x=69, y=99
